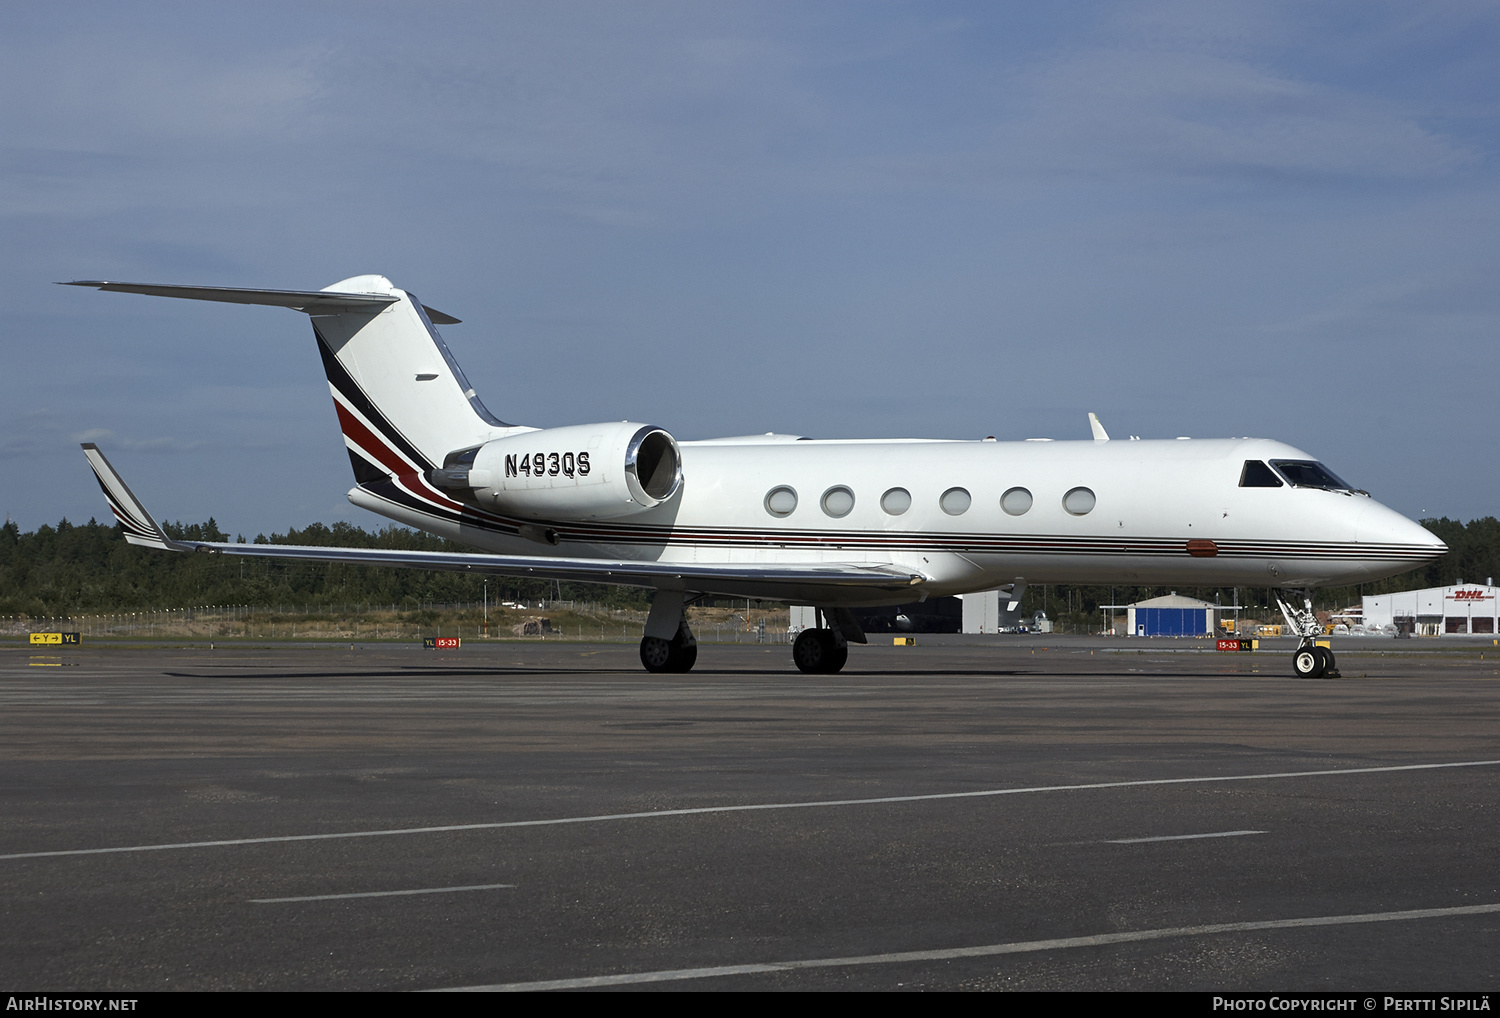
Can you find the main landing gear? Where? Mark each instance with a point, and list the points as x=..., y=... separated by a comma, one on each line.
x=678, y=654
x=1310, y=661
x=825, y=650
x=822, y=651
x=669, y=646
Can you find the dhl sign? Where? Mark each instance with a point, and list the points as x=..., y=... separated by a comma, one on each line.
x=1469, y=595
x=441, y=642
x=53, y=639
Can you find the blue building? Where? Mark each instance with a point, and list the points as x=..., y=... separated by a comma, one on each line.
x=1172, y=615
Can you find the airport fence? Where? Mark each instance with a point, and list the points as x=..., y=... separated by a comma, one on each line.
x=395, y=622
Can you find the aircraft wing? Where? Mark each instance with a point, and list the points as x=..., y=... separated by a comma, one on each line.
x=771, y=581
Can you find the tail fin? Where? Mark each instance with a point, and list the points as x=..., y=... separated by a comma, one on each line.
x=402, y=400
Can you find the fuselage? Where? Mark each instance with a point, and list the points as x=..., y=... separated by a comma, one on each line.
x=975, y=515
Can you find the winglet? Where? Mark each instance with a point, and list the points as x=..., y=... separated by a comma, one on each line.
x=1100, y=435
x=140, y=528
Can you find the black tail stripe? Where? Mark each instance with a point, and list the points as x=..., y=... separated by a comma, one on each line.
x=356, y=398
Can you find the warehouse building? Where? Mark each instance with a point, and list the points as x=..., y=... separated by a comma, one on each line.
x=1464, y=609
x=984, y=612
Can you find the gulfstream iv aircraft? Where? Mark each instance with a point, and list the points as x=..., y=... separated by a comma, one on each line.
x=835, y=524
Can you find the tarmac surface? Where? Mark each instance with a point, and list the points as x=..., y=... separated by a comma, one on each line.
x=1030, y=813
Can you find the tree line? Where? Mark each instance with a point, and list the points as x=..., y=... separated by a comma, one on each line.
x=90, y=568
x=75, y=568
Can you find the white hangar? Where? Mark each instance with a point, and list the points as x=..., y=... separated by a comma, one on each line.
x=1464, y=609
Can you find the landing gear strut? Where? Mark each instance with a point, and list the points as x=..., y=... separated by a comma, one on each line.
x=1310, y=661
x=678, y=654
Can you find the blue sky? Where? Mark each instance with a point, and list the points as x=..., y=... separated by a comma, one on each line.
x=839, y=220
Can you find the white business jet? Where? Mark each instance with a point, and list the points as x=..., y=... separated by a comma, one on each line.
x=835, y=524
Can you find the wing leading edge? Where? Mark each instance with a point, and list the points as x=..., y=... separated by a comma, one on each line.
x=312, y=302
x=770, y=581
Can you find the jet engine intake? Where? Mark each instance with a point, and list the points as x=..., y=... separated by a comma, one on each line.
x=586, y=471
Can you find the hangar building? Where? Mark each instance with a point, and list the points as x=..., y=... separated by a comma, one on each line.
x=1464, y=609
x=1172, y=615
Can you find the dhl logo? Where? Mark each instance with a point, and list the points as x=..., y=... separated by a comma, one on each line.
x=1469, y=595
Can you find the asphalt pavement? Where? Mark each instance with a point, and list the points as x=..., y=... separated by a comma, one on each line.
x=1039, y=813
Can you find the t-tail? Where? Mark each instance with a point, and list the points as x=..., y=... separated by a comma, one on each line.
x=403, y=402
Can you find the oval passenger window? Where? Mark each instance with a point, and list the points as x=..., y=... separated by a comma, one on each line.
x=896, y=501
x=1016, y=501
x=1079, y=501
x=781, y=501
x=838, y=501
x=955, y=501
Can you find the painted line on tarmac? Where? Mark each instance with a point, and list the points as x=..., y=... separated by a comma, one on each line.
x=1178, y=837
x=985, y=951
x=746, y=808
x=380, y=894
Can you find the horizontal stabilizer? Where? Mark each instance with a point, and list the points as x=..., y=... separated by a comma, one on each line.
x=312, y=302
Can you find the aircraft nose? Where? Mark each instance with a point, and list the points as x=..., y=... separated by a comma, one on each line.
x=1381, y=525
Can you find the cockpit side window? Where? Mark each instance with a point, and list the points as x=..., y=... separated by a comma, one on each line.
x=1309, y=474
x=1257, y=475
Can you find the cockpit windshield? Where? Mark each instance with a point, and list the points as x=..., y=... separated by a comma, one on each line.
x=1257, y=475
x=1310, y=474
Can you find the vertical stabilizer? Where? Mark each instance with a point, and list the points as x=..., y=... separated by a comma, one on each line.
x=402, y=400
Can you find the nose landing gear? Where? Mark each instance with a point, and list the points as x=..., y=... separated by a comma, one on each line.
x=1310, y=660
x=1314, y=663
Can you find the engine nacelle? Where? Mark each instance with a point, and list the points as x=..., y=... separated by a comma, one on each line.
x=582, y=472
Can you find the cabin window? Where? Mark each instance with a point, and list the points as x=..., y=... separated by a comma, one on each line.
x=956, y=501
x=838, y=501
x=896, y=501
x=1309, y=474
x=781, y=501
x=1016, y=501
x=1257, y=475
x=1079, y=501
